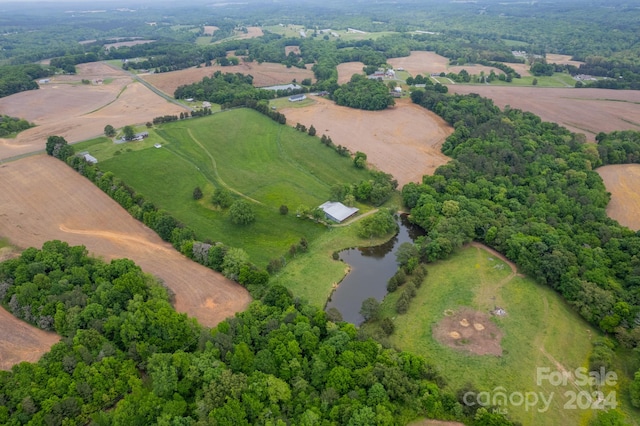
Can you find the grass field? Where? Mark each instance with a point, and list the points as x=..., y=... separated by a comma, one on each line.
x=268, y=164
x=540, y=330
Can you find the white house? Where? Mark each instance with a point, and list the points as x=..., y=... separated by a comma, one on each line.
x=337, y=211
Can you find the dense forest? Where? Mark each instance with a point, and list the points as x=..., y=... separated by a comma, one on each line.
x=127, y=358
x=363, y=93
x=528, y=189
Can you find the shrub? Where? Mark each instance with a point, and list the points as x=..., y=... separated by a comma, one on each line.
x=197, y=193
x=387, y=326
x=284, y=210
x=241, y=213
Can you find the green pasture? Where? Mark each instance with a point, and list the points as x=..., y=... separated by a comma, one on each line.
x=540, y=330
x=558, y=79
x=255, y=158
x=288, y=30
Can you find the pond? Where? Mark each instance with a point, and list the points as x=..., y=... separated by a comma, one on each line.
x=371, y=268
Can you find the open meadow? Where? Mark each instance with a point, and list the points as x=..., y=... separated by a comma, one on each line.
x=623, y=182
x=43, y=199
x=587, y=111
x=450, y=323
x=404, y=141
x=76, y=111
x=265, y=163
x=264, y=74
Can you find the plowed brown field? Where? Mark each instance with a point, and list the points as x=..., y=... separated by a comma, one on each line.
x=265, y=74
x=587, y=111
x=421, y=63
x=43, y=199
x=404, y=141
x=623, y=181
x=20, y=341
x=65, y=107
x=348, y=69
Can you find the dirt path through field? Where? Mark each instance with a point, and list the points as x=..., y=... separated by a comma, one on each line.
x=42, y=199
x=404, y=141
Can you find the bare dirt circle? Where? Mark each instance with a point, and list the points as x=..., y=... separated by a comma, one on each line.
x=481, y=339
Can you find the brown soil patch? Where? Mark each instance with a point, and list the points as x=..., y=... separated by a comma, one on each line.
x=587, y=111
x=252, y=32
x=475, y=69
x=623, y=181
x=553, y=58
x=421, y=63
x=20, y=341
x=347, y=70
x=265, y=74
x=294, y=49
x=67, y=108
x=404, y=141
x=522, y=69
x=210, y=29
x=42, y=199
x=481, y=339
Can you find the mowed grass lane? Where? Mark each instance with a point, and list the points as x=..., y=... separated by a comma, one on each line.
x=268, y=163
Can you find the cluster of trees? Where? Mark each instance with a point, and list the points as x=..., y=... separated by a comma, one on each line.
x=528, y=189
x=379, y=224
x=376, y=190
x=11, y=125
x=224, y=88
x=620, y=147
x=363, y=93
x=19, y=78
x=127, y=357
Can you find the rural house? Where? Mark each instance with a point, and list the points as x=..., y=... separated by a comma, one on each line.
x=337, y=211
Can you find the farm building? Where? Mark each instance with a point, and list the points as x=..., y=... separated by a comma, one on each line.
x=337, y=211
x=290, y=86
x=297, y=98
x=88, y=157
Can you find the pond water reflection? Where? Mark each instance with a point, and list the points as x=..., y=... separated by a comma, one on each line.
x=371, y=268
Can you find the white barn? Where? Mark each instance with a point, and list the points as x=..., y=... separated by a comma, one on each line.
x=337, y=211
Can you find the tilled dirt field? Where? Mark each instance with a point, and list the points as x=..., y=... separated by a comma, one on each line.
x=65, y=107
x=587, y=111
x=265, y=74
x=347, y=69
x=623, y=181
x=421, y=63
x=20, y=341
x=404, y=141
x=43, y=199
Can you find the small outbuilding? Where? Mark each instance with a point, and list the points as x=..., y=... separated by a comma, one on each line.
x=88, y=157
x=337, y=211
x=297, y=98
